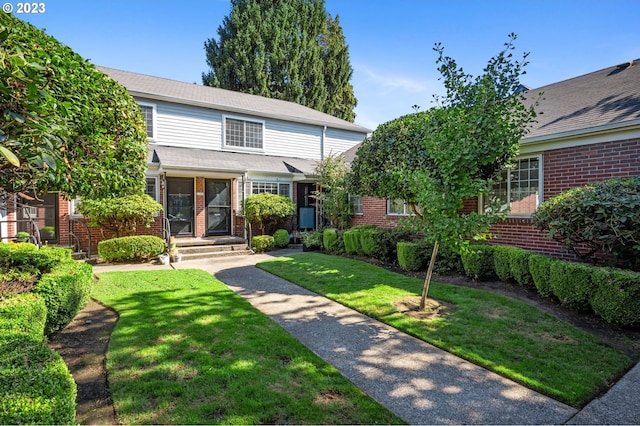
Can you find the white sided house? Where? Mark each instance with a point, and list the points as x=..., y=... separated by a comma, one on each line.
x=209, y=149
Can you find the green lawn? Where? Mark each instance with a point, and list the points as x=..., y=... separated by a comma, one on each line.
x=188, y=350
x=507, y=336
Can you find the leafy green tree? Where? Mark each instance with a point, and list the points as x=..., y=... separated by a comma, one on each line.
x=64, y=125
x=122, y=215
x=333, y=193
x=284, y=49
x=436, y=159
x=268, y=210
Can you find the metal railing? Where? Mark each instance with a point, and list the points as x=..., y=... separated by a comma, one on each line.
x=72, y=227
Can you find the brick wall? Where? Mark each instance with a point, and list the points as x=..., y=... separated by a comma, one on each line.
x=374, y=211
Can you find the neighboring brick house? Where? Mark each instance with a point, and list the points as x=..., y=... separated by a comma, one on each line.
x=589, y=130
x=209, y=149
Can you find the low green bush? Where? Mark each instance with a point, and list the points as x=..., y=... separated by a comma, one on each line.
x=312, y=240
x=35, y=384
x=572, y=284
x=388, y=240
x=410, y=256
x=368, y=241
x=351, y=242
x=65, y=291
x=501, y=263
x=281, y=238
x=27, y=257
x=617, y=297
x=330, y=239
x=477, y=261
x=262, y=243
x=23, y=313
x=519, y=266
x=540, y=269
x=133, y=248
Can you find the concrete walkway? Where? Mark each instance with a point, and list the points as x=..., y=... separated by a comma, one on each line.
x=415, y=380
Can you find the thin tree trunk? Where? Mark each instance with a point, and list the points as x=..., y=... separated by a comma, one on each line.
x=427, y=280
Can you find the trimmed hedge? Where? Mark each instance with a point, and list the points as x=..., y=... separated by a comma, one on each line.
x=572, y=284
x=65, y=291
x=519, y=266
x=24, y=313
x=410, y=256
x=36, y=386
x=540, y=269
x=137, y=247
x=281, y=238
x=477, y=261
x=262, y=243
x=351, y=242
x=501, y=264
x=27, y=257
x=368, y=241
x=330, y=240
x=617, y=297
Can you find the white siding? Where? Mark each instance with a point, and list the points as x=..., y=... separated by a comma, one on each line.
x=338, y=141
x=292, y=139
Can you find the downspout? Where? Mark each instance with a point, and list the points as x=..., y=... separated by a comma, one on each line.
x=322, y=138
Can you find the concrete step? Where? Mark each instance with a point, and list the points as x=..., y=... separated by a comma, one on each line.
x=214, y=254
x=211, y=249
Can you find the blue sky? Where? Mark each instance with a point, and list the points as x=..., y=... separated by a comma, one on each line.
x=390, y=41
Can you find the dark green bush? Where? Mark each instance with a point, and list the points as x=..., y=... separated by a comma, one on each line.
x=65, y=291
x=540, y=269
x=351, y=242
x=617, y=297
x=501, y=263
x=330, y=239
x=312, y=240
x=23, y=313
x=262, y=243
x=601, y=217
x=35, y=384
x=477, y=261
x=410, y=256
x=281, y=238
x=133, y=248
x=368, y=241
x=388, y=240
x=519, y=266
x=571, y=284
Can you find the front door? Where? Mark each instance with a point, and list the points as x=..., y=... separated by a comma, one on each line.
x=218, y=204
x=306, y=206
x=180, y=202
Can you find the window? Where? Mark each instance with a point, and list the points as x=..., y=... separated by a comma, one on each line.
x=152, y=188
x=397, y=207
x=272, y=188
x=519, y=189
x=356, y=203
x=243, y=134
x=149, y=114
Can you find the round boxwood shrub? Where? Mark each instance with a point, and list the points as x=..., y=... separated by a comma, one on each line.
x=410, y=256
x=572, y=284
x=329, y=239
x=617, y=298
x=281, y=238
x=540, y=269
x=262, y=243
x=477, y=261
x=136, y=247
x=519, y=266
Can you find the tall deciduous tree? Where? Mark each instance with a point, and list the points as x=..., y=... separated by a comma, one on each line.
x=64, y=125
x=291, y=50
x=333, y=194
x=436, y=159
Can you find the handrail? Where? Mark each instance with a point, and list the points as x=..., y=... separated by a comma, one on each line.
x=72, y=222
x=166, y=231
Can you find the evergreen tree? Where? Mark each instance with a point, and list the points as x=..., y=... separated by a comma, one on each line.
x=285, y=49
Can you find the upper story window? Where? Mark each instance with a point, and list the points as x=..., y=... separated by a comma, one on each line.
x=519, y=189
x=149, y=114
x=243, y=134
x=397, y=207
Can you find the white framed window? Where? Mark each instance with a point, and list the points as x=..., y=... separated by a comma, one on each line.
x=149, y=113
x=241, y=133
x=519, y=190
x=397, y=208
x=151, y=188
x=356, y=203
x=276, y=188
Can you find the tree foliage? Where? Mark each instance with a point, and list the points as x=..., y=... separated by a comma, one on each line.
x=268, y=209
x=284, y=49
x=333, y=194
x=437, y=158
x=122, y=215
x=65, y=126
x=596, y=219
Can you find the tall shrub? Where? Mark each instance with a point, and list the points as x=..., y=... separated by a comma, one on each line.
x=268, y=210
x=122, y=215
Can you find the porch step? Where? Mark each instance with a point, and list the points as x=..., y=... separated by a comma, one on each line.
x=205, y=248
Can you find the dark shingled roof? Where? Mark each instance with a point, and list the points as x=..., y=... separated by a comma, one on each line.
x=223, y=161
x=224, y=100
x=593, y=101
